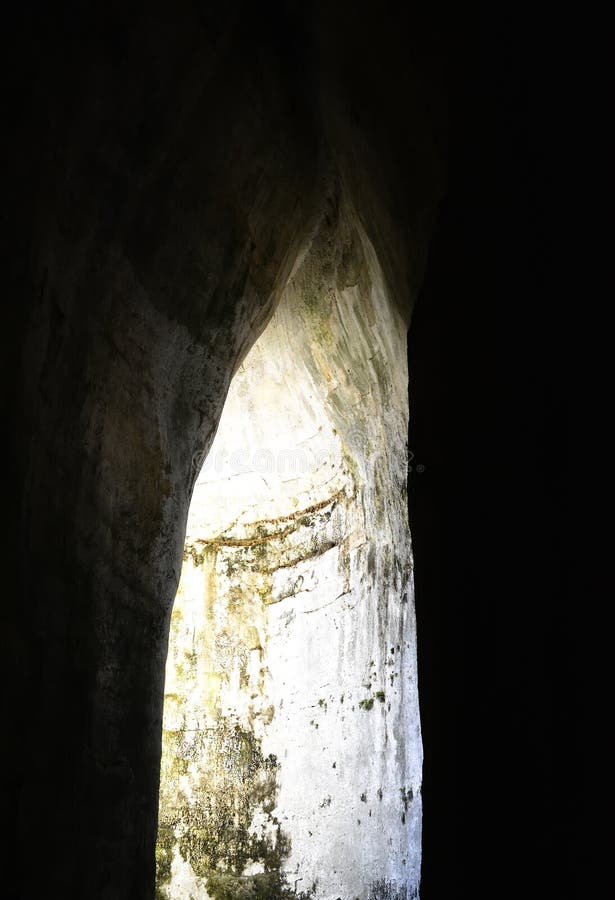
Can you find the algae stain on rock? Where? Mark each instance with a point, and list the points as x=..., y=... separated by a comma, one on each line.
x=218, y=789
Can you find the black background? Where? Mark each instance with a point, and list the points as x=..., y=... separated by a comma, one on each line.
x=488, y=399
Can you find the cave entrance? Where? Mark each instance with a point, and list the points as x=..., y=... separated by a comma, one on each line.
x=291, y=759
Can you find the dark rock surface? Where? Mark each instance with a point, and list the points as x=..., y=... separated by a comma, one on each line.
x=163, y=170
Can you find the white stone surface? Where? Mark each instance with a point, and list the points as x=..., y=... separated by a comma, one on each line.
x=294, y=619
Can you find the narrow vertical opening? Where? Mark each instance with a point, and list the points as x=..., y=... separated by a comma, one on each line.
x=291, y=760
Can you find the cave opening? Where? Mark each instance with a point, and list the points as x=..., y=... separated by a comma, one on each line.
x=291, y=752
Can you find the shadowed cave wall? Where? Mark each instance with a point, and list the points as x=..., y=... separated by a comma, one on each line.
x=163, y=171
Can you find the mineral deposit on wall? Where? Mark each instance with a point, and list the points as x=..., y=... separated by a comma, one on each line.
x=291, y=750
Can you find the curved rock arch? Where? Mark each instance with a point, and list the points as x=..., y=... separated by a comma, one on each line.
x=170, y=191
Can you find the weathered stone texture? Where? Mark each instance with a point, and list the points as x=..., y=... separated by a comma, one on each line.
x=164, y=173
x=291, y=743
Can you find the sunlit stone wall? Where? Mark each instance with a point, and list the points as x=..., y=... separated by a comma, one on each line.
x=291, y=749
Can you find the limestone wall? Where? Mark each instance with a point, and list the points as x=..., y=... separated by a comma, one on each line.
x=291, y=748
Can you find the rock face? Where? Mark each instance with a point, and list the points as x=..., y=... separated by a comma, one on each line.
x=291, y=744
x=164, y=172
x=163, y=168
